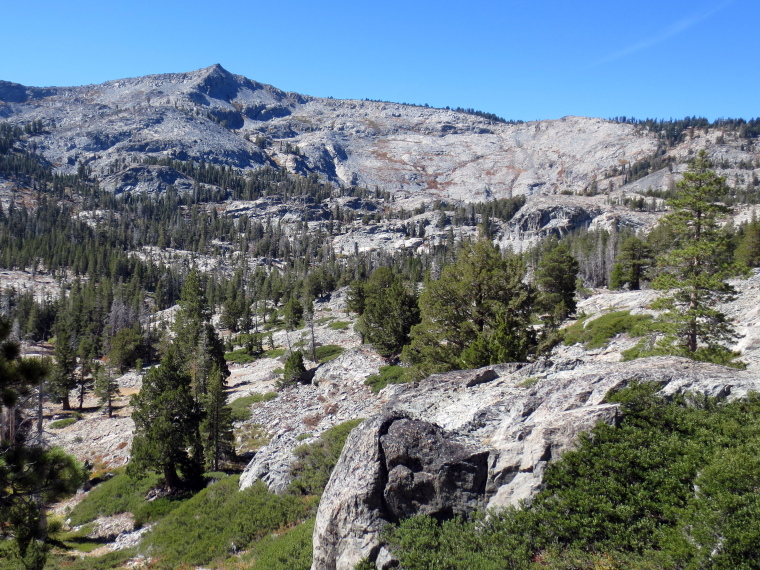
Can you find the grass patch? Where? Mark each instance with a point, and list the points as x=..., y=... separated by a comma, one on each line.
x=529, y=382
x=339, y=325
x=239, y=356
x=122, y=494
x=289, y=550
x=387, y=375
x=315, y=461
x=241, y=408
x=60, y=424
x=251, y=439
x=328, y=352
x=219, y=521
x=77, y=539
x=599, y=331
x=274, y=353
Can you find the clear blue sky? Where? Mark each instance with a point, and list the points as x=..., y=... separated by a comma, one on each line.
x=520, y=59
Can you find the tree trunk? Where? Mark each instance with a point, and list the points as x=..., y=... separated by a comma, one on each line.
x=171, y=478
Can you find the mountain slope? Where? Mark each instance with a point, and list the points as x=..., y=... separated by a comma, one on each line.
x=218, y=117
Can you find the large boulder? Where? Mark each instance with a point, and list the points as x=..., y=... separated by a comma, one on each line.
x=393, y=467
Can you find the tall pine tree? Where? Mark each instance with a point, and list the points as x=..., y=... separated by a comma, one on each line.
x=167, y=420
x=693, y=272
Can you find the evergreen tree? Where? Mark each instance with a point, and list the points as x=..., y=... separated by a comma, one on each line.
x=126, y=348
x=63, y=380
x=105, y=387
x=479, y=312
x=748, y=250
x=356, y=297
x=216, y=428
x=556, y=276
x=293, y=314
x=694, y=271
x=31, y=475
x=196, y=340
x=167, y=420
x=295, y=370
x=390, y=311
x=633, y=260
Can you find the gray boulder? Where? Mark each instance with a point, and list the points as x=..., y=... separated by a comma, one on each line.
x=393, y=467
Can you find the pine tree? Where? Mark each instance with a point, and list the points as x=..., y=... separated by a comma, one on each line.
x=390, y=311
x=748, y=250
x=479, y=312
x=694, y=271
x=63, y=380
x=105, y=387
x=556, y=276
x=31, y=475
x=294, y=370
x=633, y=260
x=216, y=428
x=196, y=340
x=167, y=420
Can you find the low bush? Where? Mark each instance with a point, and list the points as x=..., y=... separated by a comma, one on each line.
x=122, y=494
x=289, y=550
x=60, y=424
x=388, y=375
x=239, y=356
x=316, y=460
x=598, y=332
x=339, y=325
x=328, y=352
x=220, y=521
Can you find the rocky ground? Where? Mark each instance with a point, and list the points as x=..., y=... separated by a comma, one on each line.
x=516, y=417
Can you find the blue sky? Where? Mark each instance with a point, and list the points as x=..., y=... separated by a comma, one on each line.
x=519, y=59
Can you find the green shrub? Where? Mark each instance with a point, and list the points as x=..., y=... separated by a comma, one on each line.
x=294, y=371
x=316, y=460
x=219, y=521
x=339, y=325
x=241, y=408
x=290, y=550
x=328, y=352
x=239, y=356
x=598, y=332
x=60, y=424
x=274, y=353
x=122, y=494
x=387, y=375
x=673, y=486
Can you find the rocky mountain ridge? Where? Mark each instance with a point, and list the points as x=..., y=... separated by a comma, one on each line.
x=214, y=116
x=571, y=170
